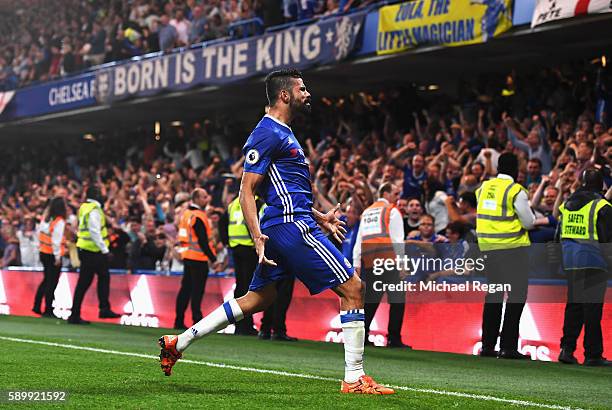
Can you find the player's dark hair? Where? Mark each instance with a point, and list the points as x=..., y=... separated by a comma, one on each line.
x=280, y=80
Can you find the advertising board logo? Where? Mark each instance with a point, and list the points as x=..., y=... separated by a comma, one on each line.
x=62, y=300
x=530, y=340
x=139, y=311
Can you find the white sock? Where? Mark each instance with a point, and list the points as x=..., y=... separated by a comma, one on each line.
x=228, y=313
x=353, y=329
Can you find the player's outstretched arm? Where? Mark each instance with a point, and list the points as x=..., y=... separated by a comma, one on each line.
x=330, y=223
x=248, y=187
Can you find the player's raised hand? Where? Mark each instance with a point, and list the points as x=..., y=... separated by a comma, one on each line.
x=330, y=223
x=260, y=248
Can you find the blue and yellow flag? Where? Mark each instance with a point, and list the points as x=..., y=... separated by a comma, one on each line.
x=441, y=22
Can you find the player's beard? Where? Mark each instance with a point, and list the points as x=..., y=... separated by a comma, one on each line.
x=298, y=107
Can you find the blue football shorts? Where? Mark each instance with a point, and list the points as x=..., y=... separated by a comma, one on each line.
x=301, y=249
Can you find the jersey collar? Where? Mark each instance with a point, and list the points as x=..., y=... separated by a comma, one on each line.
x=278, y=121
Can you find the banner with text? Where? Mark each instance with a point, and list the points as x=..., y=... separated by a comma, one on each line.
x=48, y=98
x=441, y=22
x=551, y=10
x=325, y=42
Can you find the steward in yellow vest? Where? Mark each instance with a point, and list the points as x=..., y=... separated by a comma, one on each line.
x=238, y=232
x=85, y=240
x=578, y=230
x=502, y=220
x=497, y=224
x=585, y=232
x=92, y=244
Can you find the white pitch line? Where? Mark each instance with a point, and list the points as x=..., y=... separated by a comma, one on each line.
x=300, y=375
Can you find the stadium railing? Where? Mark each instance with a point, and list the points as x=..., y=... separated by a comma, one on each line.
x=246, y=28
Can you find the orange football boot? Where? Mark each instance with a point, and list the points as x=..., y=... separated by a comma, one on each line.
x=168, y=355
x=365, y=385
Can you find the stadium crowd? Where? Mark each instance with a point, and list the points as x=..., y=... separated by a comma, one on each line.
x=46, y=39
x=438, y=156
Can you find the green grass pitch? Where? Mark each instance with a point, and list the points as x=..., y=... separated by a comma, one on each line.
x=100, y=379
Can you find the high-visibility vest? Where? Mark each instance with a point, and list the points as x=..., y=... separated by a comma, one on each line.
x=581, y=225
x=189, y=247
x=237, y=230
x=579, y=239
x=84, y=240
x=45, y=240
x=497, y=224
x=376, y=240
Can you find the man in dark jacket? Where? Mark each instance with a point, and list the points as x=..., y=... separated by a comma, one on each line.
x=585, y=232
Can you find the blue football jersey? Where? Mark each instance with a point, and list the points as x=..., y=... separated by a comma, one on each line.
x=273, y=151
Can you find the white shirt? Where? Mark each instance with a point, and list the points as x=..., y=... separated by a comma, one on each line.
x=95, y=227
x=437, y=208
x=182, y=29
x=521, y=206
x=28, y=247
x=396, y=233
x=194, y=156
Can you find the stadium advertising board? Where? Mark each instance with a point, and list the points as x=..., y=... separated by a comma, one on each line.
x=446, y=325
x=546, y=10
x=48, y=98
x=441, y=22
x=325, y=42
